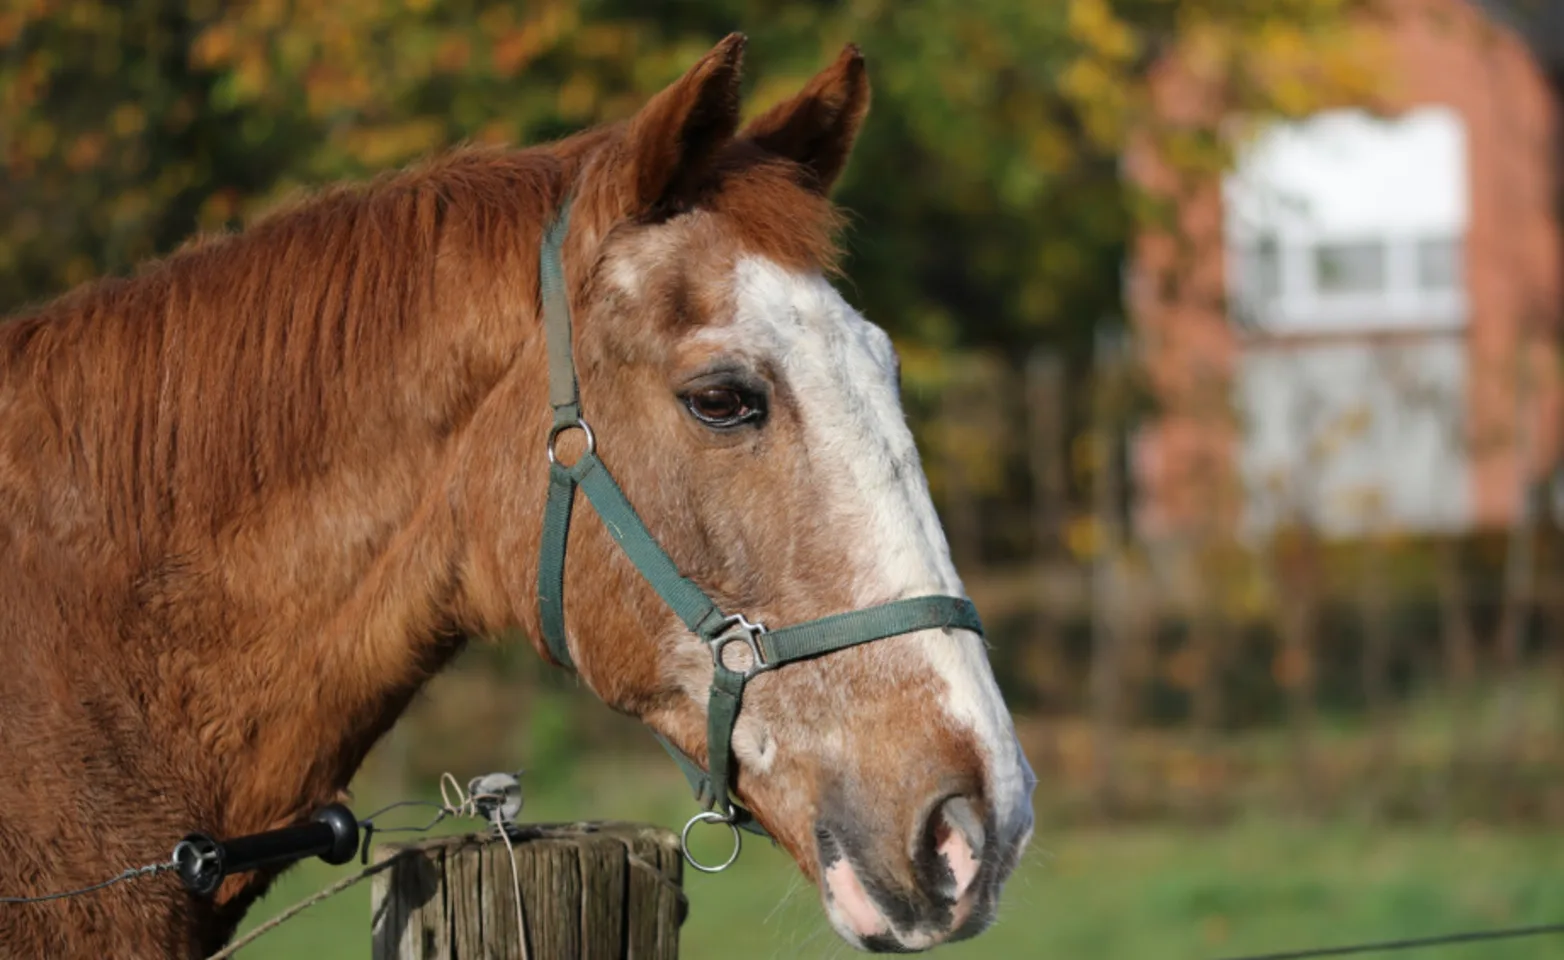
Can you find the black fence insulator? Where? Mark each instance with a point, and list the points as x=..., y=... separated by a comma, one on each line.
x=332, y=835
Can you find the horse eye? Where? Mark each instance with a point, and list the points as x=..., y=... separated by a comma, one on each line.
x=721, y=406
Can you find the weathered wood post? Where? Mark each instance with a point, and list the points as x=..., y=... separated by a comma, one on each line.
x=598, y=891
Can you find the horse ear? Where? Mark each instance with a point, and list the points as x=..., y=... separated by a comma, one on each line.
x=817, y=128
x=679, y=130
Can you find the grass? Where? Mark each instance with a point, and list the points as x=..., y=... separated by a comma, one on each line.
x=1163, y=892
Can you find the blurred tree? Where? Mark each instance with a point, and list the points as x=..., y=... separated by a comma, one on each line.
x=125, y=126
x=990, y=209
x=986, y=187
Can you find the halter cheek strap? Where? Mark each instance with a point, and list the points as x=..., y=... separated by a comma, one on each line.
x=766, y=649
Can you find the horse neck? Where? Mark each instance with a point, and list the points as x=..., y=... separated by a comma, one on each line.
x=373, y=597
x=277, y=635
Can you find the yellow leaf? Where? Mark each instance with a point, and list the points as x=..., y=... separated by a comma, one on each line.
x=85, y=151
x=1049, y=149
x=1082, y=538
x=39, y=140
x=395, y=143
x=577, y=97
x=128, y=119
x=214, y=47
x=1094, y=24
x=79, y=270
x=252, y=73
x=11, y=23
x=454, y=54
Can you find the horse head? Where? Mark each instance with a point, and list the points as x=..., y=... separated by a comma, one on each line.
x=751, y=418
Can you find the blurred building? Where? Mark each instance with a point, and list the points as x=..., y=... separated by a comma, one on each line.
x=1358, y=327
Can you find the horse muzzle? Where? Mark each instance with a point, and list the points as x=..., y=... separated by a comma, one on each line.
x=941, y=883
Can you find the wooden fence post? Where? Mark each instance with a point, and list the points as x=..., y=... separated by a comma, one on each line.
x=959, y=411
x=1109, y=583
x=1374, y=602
x=1045, y=399
x=606, y=891
x=1046, y=394
x=1460, y=644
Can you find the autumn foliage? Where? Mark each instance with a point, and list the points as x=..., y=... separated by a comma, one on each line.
x=989, y=206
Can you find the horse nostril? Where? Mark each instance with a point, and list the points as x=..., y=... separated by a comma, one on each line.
x=951, y=848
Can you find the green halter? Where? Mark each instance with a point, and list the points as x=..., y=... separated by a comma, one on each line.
x=768, y=649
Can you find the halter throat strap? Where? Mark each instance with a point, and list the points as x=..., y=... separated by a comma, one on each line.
x=765, y=649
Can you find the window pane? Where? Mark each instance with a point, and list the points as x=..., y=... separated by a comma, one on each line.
x=1259, y=277
x=1439, y=264
x=1350, y=267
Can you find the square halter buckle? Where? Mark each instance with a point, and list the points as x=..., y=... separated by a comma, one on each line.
x=736, y=628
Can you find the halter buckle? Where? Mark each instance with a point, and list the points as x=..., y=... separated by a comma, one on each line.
x=736, y=628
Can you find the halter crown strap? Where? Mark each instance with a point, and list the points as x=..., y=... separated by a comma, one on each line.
x=767, y=649
x=563, y=393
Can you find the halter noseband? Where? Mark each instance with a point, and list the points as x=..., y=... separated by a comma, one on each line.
x=768, y=649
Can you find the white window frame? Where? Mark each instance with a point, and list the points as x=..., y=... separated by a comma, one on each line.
x=1301, y=307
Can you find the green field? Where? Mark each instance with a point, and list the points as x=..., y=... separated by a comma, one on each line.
x=1161, y=892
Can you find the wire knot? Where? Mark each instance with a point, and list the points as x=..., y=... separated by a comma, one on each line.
x=495, y=797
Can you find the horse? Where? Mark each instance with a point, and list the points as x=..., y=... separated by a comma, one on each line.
x=255, y=495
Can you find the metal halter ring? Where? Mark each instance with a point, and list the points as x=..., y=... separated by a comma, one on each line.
x=559, y=428
x=710, y=816
x=738, y=629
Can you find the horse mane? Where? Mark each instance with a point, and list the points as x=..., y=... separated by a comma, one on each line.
x=238, y=362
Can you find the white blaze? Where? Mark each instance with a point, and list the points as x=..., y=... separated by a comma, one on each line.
x=842, y=371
